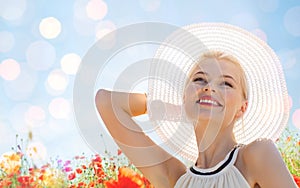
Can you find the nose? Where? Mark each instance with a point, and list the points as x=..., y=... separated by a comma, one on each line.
x=208, y=88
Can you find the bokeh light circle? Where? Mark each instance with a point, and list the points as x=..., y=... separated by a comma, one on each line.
x=9, y=69
x=103, y=28
x=40, y=55
x=82, y=23
x=58, y=80
x=289, y=58
x=50, y=27
x=292, y=21
x=96, y=9
x=296, y=118
x=69, y=63
x=261, y=34
x=7, y=41
x=22, y=87
x=13, y=9
x=60, y=108
x=35, y=116
x=36, y=151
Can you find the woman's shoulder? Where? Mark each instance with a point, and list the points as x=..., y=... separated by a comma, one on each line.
x=255, y=159
x=259, y=148
x=261, y=163
x=259, y=154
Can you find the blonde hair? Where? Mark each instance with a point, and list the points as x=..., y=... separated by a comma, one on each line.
x=219, y=55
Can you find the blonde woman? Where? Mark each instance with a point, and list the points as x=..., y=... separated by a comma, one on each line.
x=224, y=126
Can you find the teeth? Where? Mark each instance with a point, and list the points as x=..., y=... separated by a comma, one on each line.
x=208, y=101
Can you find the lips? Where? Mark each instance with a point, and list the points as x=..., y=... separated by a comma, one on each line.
x=208, y=100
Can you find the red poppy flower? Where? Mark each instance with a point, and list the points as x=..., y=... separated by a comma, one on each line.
x=72, y=176
x=25, y=180
x=83, y=167
x=78, y=170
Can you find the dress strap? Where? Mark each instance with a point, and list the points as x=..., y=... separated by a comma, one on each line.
x=235, y=154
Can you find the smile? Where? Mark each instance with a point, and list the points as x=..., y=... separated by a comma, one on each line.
x=210, y=102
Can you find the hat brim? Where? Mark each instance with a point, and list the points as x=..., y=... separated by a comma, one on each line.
x=268, y=105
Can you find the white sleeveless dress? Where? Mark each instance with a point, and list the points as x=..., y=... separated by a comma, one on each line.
x=223, y=175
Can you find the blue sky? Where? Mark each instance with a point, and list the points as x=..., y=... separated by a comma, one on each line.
x=36, y=89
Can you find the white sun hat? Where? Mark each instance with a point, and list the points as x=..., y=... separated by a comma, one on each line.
x=268, y=104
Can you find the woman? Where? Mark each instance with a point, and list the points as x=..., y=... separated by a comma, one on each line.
x=215, y=98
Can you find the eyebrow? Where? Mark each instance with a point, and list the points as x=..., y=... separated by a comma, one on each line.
x=228, y=76
x=225, y=76
x=200, y=72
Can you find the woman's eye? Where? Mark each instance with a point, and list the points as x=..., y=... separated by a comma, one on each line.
x=199, y=79
x=227, y=84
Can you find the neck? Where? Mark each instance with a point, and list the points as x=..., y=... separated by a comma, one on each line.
x=214, y=142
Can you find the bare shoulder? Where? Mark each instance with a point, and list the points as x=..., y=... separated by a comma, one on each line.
x=257, y=154
x=263, y=161
x=259, y=148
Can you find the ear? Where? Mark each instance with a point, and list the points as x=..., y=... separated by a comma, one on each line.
x=242, y=110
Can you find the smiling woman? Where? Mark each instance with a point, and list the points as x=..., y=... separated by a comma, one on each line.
x=230, y=112
x=214, y=99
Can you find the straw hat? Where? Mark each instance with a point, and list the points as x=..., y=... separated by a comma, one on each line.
x=268, y=105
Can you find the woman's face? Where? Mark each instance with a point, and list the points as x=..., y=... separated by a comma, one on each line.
x=214, y=92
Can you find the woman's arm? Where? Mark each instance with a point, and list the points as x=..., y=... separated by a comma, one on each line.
x=266, y=165
x=117, y=110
